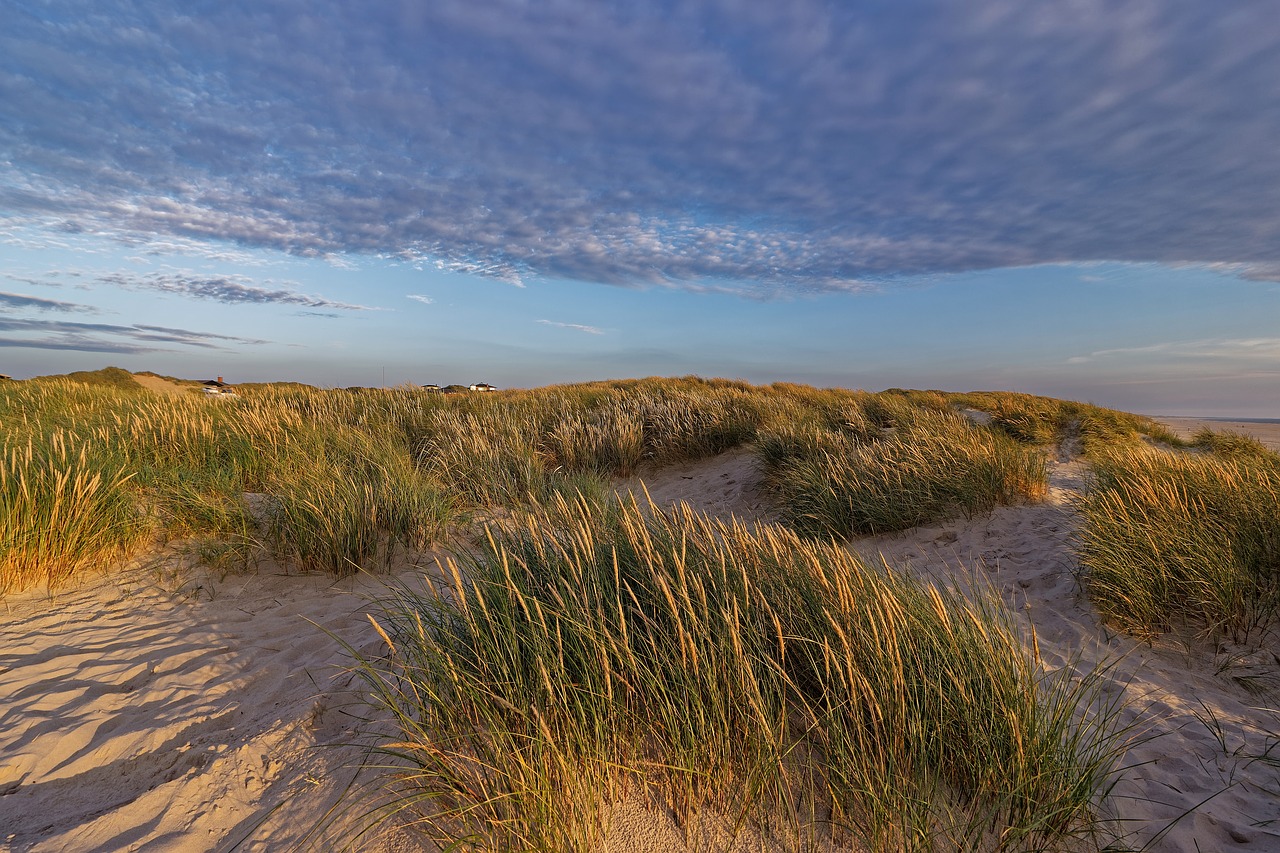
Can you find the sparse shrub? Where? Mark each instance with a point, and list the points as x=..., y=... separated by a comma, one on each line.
x=1233, y=445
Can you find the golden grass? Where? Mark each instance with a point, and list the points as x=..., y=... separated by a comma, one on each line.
x=1185, y=540
x=747, y=673
x=921, y=466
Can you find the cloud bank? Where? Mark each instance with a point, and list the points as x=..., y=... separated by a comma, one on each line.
x=19, y=300
x=231, y=290
x=734, y=144
x=105, y=337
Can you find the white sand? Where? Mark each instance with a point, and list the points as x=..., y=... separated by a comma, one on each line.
x=164, y=712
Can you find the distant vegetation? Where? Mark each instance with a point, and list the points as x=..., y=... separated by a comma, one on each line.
x=92, y=474
x=589, y=646
x=107, y=377
x=191, y=383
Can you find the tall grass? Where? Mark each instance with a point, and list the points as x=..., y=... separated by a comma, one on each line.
x=922, y=466
x=351, y=476
x=62, y=512
x=1185, y=540
x=357, y=499
x=775, y=682
x=91, y=474
x=1045, y=421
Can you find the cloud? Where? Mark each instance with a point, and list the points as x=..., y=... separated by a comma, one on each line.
x=75, y=343
x=577, y=327
x=34, y=282
x=416, y=297
x=727, y=144
x=18, y=300
x=103, y=337
x=1242, y=349
x=1249, y=271
x=231, y=290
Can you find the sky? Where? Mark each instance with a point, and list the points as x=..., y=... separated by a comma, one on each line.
x=1079, y=199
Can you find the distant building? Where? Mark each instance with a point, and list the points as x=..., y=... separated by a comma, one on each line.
x=433, y=389
x=483, y=386
x=217, y=386
x=4, y=376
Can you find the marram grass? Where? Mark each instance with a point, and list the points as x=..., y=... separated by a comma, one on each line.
x=925, y=467
x=1185, y=540
x=62, y=512
x=781, y=684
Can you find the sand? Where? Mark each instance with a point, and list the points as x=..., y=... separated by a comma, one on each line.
x=1268, y=434
x=177, y=711
x=170, y=709
x=161, y=386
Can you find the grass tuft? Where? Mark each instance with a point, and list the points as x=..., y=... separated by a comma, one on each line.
x=926, y=467
x=1185, y=540
x=595, y=651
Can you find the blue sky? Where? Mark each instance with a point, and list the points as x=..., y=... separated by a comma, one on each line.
x=1074, y=199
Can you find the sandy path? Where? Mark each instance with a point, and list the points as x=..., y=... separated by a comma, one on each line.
x=724, y=486
x=1175, y=693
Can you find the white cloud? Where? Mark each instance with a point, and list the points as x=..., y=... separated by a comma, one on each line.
x=577, y=327
x=104, y=337
x=22, y=300
x=417, y=297
x=1245, y=349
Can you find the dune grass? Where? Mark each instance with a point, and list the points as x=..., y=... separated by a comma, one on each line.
x=63, y=511
x=349, y=477
x=589, y=651
x=890, y=469
x=92, y=475
x=352, y=476
x=777, y=683
x=1047, y=421
x=1233, y=445
x=1188, y=541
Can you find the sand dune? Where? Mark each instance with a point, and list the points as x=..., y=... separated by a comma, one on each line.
x=1201, y=731
x=165, y=709
x=160, y=386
